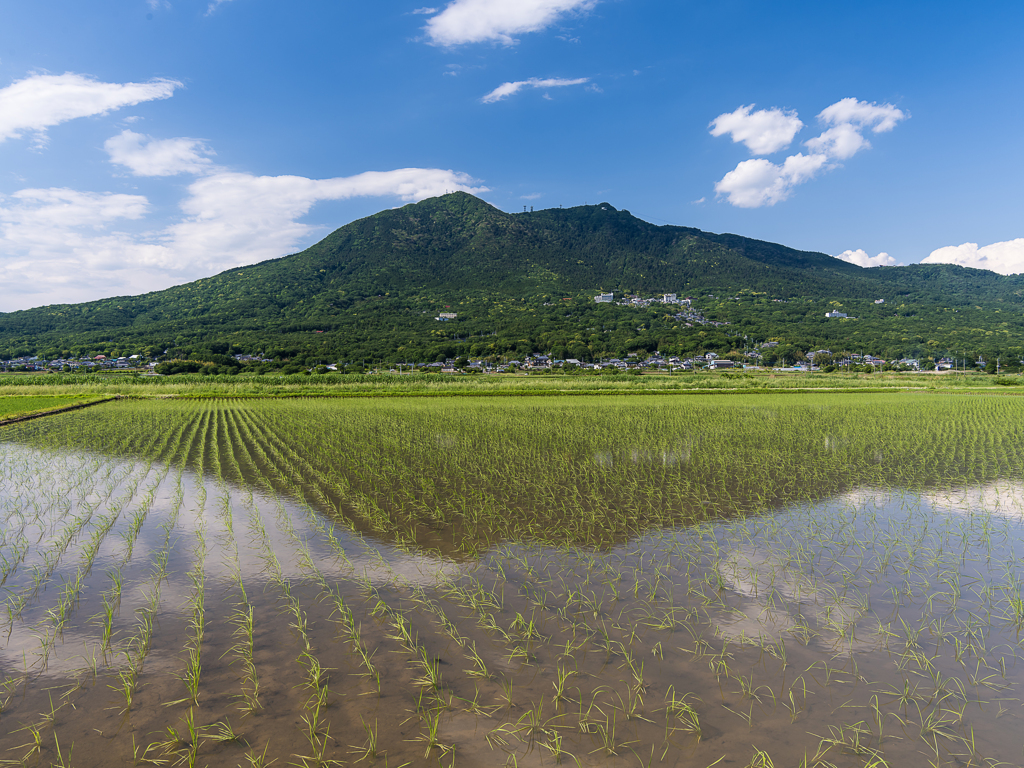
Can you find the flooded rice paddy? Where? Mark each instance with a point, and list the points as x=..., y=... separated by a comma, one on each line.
x=681, y=581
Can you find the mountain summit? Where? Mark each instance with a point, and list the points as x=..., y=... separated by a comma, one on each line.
x=373, y=287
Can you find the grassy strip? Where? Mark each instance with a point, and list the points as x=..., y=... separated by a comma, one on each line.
x=14, y=408
x=419, y=385
x=557, y=393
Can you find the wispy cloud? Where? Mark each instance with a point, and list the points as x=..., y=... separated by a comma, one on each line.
x=759, y=182
x=861, y=258
x=880, y=118
x=1006, y=258
x=146, y=156
x=41, y=101
x=479, y=21
x=214, y=5
x=505, y=90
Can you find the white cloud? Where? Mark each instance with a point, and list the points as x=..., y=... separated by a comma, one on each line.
x=532, y=196
x=146, y=156
x=1006, y=258
x=880, y=119
x=477, y=21
x=861, y=259
x=759, y=182
x=42, y=101
x=841, y=142
x=238, y=218
x=58, y=246
x=505, y=90
x=214, y=5
x=762, y=132
x=42, y=210
x=61, y=245
x=755, y=183
x=425, y=11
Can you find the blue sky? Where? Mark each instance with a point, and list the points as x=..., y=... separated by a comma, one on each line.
x=145, y=143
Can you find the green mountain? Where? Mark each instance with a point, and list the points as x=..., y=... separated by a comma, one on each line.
x=525, y=282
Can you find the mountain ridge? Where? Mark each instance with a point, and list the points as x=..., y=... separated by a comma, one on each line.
x=413, y=260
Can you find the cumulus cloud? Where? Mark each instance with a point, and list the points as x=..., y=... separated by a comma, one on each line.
x=861, y=258
x=505, y=90
x=146, y=156
x=478, y=21
x=762, y=132
x=62, y=245
x=841, y=142
x=42, y=101
x=879, y=118
x=1006, y=258
x=756, y=183
x=759, y=182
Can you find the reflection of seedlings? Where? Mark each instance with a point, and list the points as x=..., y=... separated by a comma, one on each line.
x=553, y=744
x=259, y=759
x=559, y=683
x=480, y=669
x=761, y=759
x=599, y=576
x=431, y=720
x=127, y=678
x=686, y=717
x=35, y=745
x=369, y=749
x=243, y=619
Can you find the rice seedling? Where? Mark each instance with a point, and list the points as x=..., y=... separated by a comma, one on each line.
x=529, y=555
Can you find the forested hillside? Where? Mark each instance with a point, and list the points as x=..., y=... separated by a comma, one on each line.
x=525, y=282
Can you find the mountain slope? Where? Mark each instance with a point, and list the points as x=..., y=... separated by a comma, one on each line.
x=373, y=286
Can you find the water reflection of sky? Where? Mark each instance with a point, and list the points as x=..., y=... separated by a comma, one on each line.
x=826, y=563
x=53, y=499
x=788, y=572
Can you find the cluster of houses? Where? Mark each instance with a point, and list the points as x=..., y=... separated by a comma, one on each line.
x=687, y=317
x=99, y=362
x=631, y=300
x=632, y=362
x=538, y=362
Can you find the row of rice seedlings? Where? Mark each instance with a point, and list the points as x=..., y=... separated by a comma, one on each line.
x=383, y=463
x=316, y=728
x=136, y=647
x=56, y=548
x=342, y=615
x=586, y=599
x=377, y=461
x=242, y=616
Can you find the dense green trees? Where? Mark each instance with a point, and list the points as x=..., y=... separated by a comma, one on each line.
x=524, y=283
